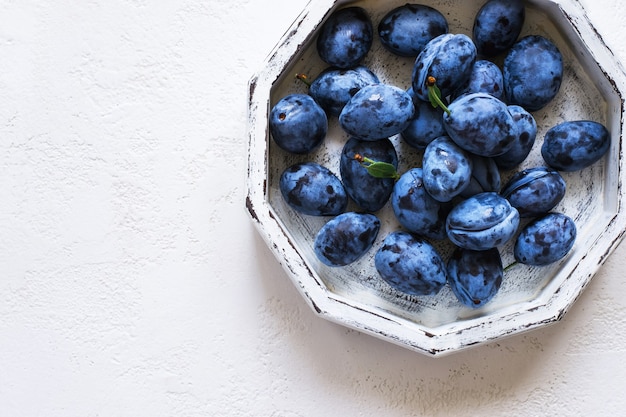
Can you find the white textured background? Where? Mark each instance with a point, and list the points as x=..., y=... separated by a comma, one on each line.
x=132, y=282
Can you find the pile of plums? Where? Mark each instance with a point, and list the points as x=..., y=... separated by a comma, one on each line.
x=469, y=116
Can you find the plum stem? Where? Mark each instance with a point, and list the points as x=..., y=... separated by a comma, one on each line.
x=434, y=94
x=377, y=169
x=511, y=266
x=303, y=77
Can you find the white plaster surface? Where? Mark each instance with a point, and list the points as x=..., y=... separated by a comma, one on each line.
x=132, y=282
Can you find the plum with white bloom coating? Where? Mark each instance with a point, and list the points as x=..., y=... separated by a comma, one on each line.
x=523, y=143
x=313, y=189
x=298, y=124
x=346, y=37
x=447, y=169
x=545, y=240
x=535, y=191
x=416, y=210
x=574, y=145
x=485, y=77
x=406, y=29
x=334, y=87
x=481, y=124
x=533, y=72
x=485, y=176
x=449, y=59
x=475, y=276
x=376, y=112
x=368, y=192
x=410, y=264
x=482, y=222
x=497, y=26
x=425, y=126
x=346, y=238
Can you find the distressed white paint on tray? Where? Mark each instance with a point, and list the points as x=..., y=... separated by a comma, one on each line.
x=354, y=296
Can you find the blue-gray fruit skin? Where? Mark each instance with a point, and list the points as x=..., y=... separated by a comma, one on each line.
x=523, y=144
x=406, y=29
x=481, y=124
x=312, y=189
x=298, y=124
x=545, y=240
x=410, y=264
x=533, y=72
x=574, y=145
x=376, y=112
x=416, y=210
x=475, y=276
x=368, y=192
x=535, y=191
x=485, y=77
x=425, y=126
x=334, y=87
x=482, y=222
x=497, y=26
x=485, y=176
x=346, y=238
x=449, y=58
x=346, y=37
x=447, y=169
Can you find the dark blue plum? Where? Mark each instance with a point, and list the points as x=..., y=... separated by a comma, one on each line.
x=523, y=144
x=368, y=192
x=475, y=276
x=416, y=210
x=298, y=124
x=346, y=238
x=485, y=176
x=482, y=222
x=406, y=29
x=449, y=58
x=497, y=26
x=535, y=191
x=545, y=240
x=410, y=264
x=334, y=87
x=485, y=77
x=376, y=112
x=574, y=145
x=313, y=189
x=447, y=169
x=533, y=72
x=345, y=38
x=481, y=124
x=425, y=126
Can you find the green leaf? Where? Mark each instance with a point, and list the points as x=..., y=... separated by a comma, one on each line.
x=434, y=95
x=382, y=170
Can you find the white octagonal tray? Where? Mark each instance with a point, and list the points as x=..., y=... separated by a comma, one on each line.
x=593, y=88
